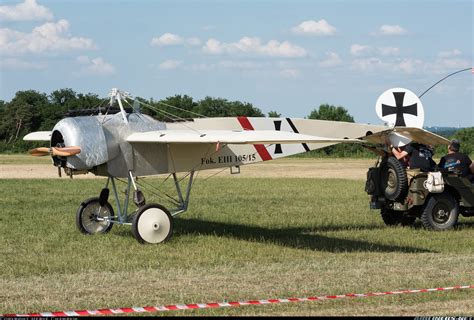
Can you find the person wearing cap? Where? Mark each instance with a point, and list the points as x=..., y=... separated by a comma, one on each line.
x=457, y=162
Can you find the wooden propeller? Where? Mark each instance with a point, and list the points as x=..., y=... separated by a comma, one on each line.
x=55, y=151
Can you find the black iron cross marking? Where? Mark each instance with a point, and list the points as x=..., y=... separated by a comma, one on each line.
x=277, y=124
x=399, y=109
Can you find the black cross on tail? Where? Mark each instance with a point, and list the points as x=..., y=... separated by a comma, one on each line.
x=399, y=109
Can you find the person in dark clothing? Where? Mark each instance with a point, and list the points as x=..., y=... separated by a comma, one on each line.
x=416, y=156
x=457, y=162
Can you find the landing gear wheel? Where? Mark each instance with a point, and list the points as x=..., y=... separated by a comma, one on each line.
x=394, y=218
x=440, y=212
x=394, y=180
x=92, y=217
x=152, y=224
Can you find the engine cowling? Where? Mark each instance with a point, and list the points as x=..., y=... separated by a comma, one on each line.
x=86, y=133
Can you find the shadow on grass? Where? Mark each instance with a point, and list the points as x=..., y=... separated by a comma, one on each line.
x=290, y=237
x=466, y=224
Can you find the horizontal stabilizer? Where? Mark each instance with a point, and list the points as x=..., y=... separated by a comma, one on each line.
x=38, y=136
x=230, y=137
x=416, y=134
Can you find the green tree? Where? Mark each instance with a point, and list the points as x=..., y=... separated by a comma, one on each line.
x=179, y=105
x=170, y=108
x=330, y=112
x=2, y=117
x=2, y=110
x=333, y=113
x=274, y=114
x=22, y=115
x=86, y=101
x=63, y=97
x=238, y=108
x=59, y=102
x=466, y=139
x=145, y=109
x=212, y=107
x=218, y=107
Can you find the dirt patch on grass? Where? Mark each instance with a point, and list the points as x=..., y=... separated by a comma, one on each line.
x=354, y=169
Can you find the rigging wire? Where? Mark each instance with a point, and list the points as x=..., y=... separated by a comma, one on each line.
x=181, y=109
x=167, y=198
x=167, y=115
x=213, y=175
x=449, y=75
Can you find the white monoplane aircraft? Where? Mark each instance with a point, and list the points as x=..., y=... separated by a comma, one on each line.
x=131, y=144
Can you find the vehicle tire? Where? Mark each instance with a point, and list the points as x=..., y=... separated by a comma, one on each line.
x=395, y=218
x=152, y=224
x=441, y=211
x=394, y=180
x=90, y=217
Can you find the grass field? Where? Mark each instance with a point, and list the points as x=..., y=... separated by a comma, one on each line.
x=242, y=239
x=23, y=159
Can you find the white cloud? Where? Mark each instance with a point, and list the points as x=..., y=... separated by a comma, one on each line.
x=253, y=45
x=227, y=64
x=332, y=60
x=410, y=66
x=391, y=30
x=366, y=50
x=26, y=11
x=359, y=49
x=167, y=39
x=445, y=62
x=290, y=73
x=170, y=39
x=283, y=49
x=193, y=41
x=388, y=51
x=18, y=64
x=449, y=54
x=170, y=64
x=49, y=37
x=315, y=28
x=208, y=28
x=372, y=64
x=202, y=67
x=369, y=64
x=96, y=66
x=444, y=65
x=213, y=46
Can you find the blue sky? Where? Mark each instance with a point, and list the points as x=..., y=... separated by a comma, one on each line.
x=288, y=56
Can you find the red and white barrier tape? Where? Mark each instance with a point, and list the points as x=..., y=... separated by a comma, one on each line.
x=221, y=304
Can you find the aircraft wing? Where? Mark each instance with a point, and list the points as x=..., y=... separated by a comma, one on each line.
x=416, y=134
x=231, y=137
x=38, y=136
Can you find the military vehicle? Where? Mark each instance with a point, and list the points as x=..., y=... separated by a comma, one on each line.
x=403, y=195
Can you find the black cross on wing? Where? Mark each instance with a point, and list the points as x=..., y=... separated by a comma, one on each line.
x=277, y=124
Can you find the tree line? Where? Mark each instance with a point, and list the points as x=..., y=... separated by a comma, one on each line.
x=30, y=111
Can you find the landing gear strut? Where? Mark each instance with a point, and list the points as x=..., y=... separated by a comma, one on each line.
x=151, y=223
